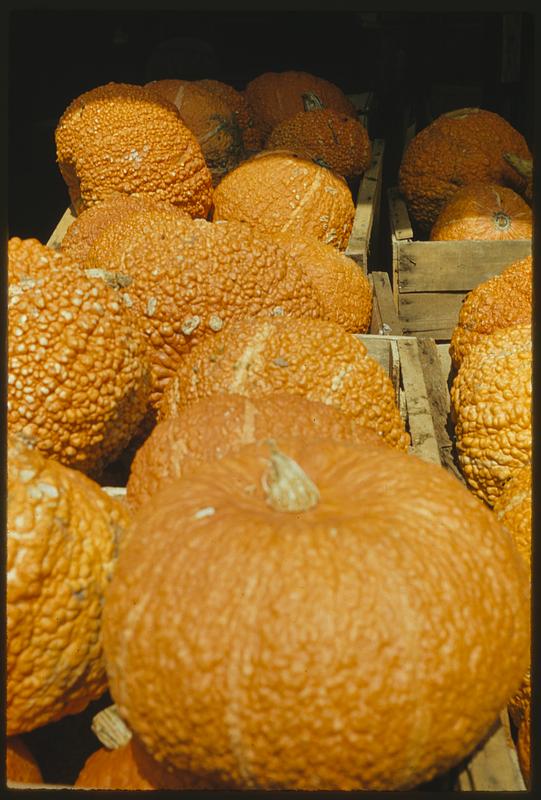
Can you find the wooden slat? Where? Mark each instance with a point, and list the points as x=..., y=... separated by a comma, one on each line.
x=363, y=222
x=430, y=314
x=399, y=219
x=493, y=767
x=59, y=232
x=385, y=317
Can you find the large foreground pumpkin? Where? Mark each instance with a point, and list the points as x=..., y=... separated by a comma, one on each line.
x=315, y=615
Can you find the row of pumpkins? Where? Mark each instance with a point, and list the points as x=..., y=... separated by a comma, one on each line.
x=283, y=578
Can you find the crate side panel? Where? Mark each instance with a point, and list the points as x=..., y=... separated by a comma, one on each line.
x=430, y=314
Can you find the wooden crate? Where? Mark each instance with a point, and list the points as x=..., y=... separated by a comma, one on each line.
x=431, y=279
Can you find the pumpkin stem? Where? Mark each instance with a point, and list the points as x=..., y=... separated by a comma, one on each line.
x=311, y=101
x=286, y=485
x=524, y=166
x=110, y=728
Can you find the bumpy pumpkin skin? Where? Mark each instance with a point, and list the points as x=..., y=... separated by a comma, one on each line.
x=460, y=147
x=63, y=532
x=313, y=358
x=252, y=135
x=514, y=510
x=484, y=211
x=21, y=766
x=275, y=96
x=210, y=119
x=187, y=279
x=289, y=638
x=279, y=191
x=214, y=426
x=500, y=302
x=29, y=258
x=491, y=408
x=78, y=367
x=123, y=137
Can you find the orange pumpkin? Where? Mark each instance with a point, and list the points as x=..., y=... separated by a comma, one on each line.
x=252, y=136
x=21, y=766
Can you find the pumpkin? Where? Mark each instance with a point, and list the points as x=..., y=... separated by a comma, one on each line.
x=319, y=615
x=524, y=167
x=524, y=747
x=21, y=765
x=491, y=409
x=313, y=358
x=333, y=139
x=500, y=302
x=275, y=96
x=90, y=223
x=125, y=138
x=345, y=292
x=514, y=510
x=63, y=532
x=216, y=425
x=458, y=148
x=29, y=259
x=210, y=118
x=483, y=211
x=252, y=136
x=279, y=190
x=187, y=279
x=78, y=367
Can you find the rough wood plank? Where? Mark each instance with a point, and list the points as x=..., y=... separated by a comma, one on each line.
x=420, y=421
x=400, y=223
x=385, y=314
x=493, y=767
x=430, y=314
x=58, y=234
x=359, y=240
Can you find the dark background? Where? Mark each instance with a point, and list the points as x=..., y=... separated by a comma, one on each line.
x=417, y=64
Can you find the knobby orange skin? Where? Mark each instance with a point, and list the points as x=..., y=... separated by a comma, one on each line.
x=125, y=138
x=502, y=301
x=63, y=532
x=280, y=190
x=318, y=615
x=21, y=765
x=252, y=135
x=314, y=358
x=216, y=425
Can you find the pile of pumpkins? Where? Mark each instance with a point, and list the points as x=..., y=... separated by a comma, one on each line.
x=285, y=598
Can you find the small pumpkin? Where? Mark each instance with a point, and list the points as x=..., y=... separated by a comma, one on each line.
x=252, y=136
x=483, y=211
x=279, y=191
x=21, y=765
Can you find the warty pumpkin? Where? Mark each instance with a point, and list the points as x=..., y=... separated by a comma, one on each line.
x=63, y=532
x=483, y=211
x=491, y=410
x=275, y=96
x=21, y=765
x=313, y=358
x=210, y=119
x=216, y=425
x=252, y=135
x=187, y=279
x=279, y=190
x=502, y=301
x=332, y=139
x=458, y=148
x=29, y=258
x=123, y=137
x=78, y=366
x=319, y=615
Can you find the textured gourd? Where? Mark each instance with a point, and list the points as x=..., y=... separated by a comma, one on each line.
x=524, y=167
x=275, y=96
x=312, y=358
x=210, y=119
x=216, y=425
x=484, y=211
x=63, y=532
x=502, y=301
x=524, y=747
x=319, y=615
x=90, y=223
x=514, y=510
x=252, y=136
x=333, y=139
x=346, y=294
x=29, y=258
x=279, y=190
x=187, y=279
x=460, y=147
x=78, y=366
x=122, y=137
x=21, y=766
x=491, y=408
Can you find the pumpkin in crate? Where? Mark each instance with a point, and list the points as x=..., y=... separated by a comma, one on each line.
x=491, y=410
x=275, y=96
x=500, y=302
x=332, y=139
x=313, y=358
x=483, y=211
x=458, y=148
x=21, y=765
x=125, y=138
x=320, y=615
x=210, y=118
x=252, y=136
x=63, y=533
x=216, y=425
x=280, y=190
x=78, y=366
